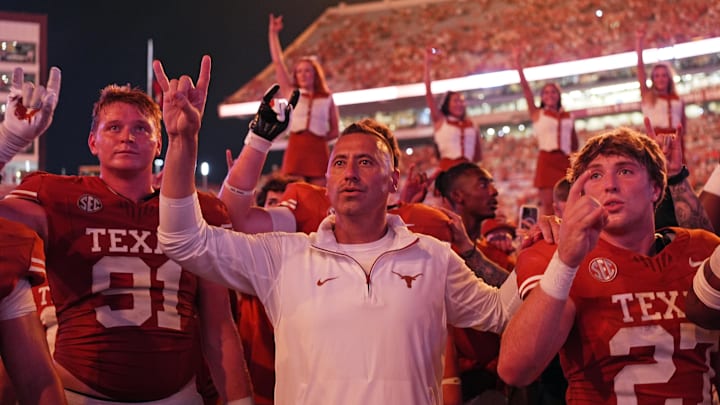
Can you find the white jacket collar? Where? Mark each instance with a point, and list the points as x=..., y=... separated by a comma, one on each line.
x=325, y=239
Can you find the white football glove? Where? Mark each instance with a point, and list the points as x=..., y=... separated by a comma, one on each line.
x=28, y=113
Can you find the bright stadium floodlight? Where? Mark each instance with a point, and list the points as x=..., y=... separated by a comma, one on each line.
x=158, y=163
x=204, y=171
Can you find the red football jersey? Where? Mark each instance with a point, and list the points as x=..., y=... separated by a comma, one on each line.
x=44, y=304
x=422, y=218
x=127, y=315
x=309, y=204
x=258, y=338
x=631, y=342
x=21, y=256
x=499, y=257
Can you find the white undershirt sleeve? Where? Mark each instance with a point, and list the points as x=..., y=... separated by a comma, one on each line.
x=283, y=219
x=18, y=303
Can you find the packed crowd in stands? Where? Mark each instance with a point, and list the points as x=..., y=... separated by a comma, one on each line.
x=513, y=177
x=477, y=37
x=388, y=42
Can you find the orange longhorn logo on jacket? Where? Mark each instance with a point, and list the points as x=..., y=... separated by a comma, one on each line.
x=408, y=279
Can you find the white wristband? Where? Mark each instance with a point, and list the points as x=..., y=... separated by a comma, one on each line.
x=451, y=381
x=257, y=142
x=558, y=278
x=242, y=401
x=712, y=185
x=237, y=191
x=704, y=291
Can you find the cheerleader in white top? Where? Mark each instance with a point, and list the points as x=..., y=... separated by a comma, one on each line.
x=554, y=129
x=660, y=101
x=456, y=137
x=315, y=118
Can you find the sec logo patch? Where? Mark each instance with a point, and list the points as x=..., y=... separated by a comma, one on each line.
x=603, y=269
x=89, y=203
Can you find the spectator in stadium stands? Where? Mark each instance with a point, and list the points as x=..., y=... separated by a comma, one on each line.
x=660, y=101
x=131, y=322
x=454, y=133
x=661, y=104
x=315, y=120
x=554, y=129
x=271, y=191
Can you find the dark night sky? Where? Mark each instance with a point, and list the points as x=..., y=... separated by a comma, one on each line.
x=96, y=43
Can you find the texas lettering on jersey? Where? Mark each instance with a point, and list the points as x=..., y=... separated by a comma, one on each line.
x=631, y=342
x=113, y=287
x=649, y=305
x=106, y=240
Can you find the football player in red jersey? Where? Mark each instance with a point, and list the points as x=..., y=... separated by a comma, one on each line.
x=23, y=346
x=133, y=325
x=612, y=296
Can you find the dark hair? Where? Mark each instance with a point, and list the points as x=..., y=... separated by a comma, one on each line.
x=626, y=142
x=276, y=183
x=128, y=95
x=445, y=106
x=371, y=127
x=445, y=181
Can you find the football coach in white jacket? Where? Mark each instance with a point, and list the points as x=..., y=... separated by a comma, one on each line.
x=360, y=307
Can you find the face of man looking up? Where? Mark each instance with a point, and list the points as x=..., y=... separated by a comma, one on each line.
x=360, y=175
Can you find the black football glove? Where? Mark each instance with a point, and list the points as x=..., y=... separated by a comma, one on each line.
x=272, y=117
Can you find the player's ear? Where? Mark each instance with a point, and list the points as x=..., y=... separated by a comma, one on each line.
x=91, y=143
x=394, y=180
x=456, y=197
x=656, y=191
x=158, y=146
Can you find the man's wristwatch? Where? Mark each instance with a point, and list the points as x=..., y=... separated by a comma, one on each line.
x=679, y=177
